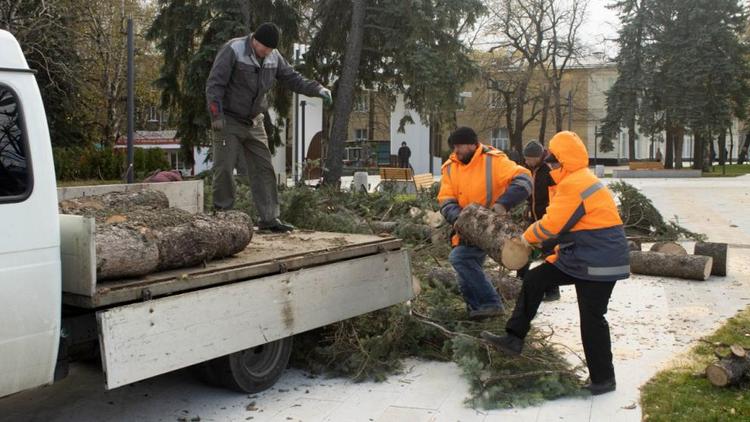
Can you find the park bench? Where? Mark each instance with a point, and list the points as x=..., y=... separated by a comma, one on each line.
x=646, y=165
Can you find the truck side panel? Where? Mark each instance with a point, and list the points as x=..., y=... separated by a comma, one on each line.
x=146, y=339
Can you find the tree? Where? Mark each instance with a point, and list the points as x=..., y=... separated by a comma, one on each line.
x=411, y=48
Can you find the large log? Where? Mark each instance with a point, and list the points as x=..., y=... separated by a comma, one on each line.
x=670, y=248
x=728, y=371
x=114, y=202
x=690, y=267
x=717, y=251
x=142, y=242
x=497, y=235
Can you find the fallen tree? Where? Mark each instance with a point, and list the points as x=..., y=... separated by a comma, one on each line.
x=730, y=369
x=497, y=235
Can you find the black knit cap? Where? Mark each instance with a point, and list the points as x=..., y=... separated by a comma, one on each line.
x=268, y=34
x=533, y=149
x=463, y=135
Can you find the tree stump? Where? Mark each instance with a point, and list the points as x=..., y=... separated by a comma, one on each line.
x=717, y=251
x=691, y=267
x=670, y=248
x=730, y=369
x=497, y=235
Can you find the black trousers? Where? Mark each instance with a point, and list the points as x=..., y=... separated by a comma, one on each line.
x=593, y=298
x=521, y=273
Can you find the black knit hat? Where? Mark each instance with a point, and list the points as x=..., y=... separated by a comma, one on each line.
x=463, y=135
x=533, y=149
x=268, y=34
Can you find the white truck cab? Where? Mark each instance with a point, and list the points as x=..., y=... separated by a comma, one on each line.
x=30, y=280
x=233, y=319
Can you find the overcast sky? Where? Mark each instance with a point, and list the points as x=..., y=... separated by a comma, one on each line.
x=601, y=24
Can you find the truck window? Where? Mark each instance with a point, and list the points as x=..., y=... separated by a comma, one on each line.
x=15, y=171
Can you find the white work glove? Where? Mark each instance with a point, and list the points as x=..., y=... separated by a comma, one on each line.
x=325, y=94
x=499, y=209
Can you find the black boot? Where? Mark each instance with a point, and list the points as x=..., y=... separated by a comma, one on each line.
x=508, y=344
x=552, y=294
x=597, y=388
x=276, y=226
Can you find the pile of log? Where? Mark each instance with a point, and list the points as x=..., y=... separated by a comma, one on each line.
x=138, y=234
x=495, y=234
x=670, y=259
x=731, y=368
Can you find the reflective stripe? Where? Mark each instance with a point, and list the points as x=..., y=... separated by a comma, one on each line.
x=545, y=231
x=609, y=271
x=524, y=181
x=488, y=179
x=536, y=231
x=449, y=169
x=591, y=190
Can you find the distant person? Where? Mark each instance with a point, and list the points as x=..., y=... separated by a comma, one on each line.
x=404, y=153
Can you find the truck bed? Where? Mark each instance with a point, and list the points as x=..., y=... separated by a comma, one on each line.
x=267, y=254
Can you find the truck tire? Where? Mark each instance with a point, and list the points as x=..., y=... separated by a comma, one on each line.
x=251, y=370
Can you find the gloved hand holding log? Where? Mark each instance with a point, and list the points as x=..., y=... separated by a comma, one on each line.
x=497, y=235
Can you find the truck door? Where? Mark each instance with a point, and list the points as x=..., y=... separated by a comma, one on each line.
x=29, y=231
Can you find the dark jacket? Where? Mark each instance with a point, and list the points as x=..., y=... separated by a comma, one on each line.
x=404, y=153
x=238, y=83
x=539, y=198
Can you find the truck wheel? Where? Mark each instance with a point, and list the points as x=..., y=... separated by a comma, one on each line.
x=250, y=370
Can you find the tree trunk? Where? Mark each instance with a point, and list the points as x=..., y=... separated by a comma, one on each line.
x=558, y=109
x=494, y=234
x=634, y=245
x=123, y=251
x=689, y=267
x=669, y=148
x=669, y=248
x=114, y=202
x=728, y=371
x=345, y=95
x=543, y=118
x=678, y=141
x=631, y=142
x=722, y=147
x=698, y=142
x=717, y=251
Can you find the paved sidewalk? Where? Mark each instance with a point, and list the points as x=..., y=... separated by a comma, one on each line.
x=653, y=321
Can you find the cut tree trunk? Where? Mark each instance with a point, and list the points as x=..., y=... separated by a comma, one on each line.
x=633, y=245
x=497, y=235
x=728, y=371
x=691, y=267
x=142, y=242
x=717, y=251
x=669, y=248
x=114, y=202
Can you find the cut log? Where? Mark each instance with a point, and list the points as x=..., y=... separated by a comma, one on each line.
x=728, y=371
x=633, y=245
x=717, y=251
x=383, y=226
x=691, y=267
x=497, y=235
x=123, y=251
x=669, y=248
x=738, y=351
x=444, y=277
x=114, y=202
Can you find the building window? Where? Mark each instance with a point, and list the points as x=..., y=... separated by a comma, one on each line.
x=500, y=138
x=153, y=115
x=360, y=135
x=495, y=99
x=461, y=101
x=15, y=174
x=362, y=103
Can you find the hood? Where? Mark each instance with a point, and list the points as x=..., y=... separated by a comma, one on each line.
x=570, y=151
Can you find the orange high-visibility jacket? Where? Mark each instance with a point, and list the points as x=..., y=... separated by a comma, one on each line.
x=581, y=218
x=485, y=181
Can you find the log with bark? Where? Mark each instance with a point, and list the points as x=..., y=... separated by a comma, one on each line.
x=669, y=248
x=142, y=242
x=497, y=235
x=633, y=245
x=729, y=370
x=690, y=267
x=114, y=202
x=717, y=251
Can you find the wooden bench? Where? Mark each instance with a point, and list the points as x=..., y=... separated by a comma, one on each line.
x=424, y=181
x=395, y=173
x=646, y=165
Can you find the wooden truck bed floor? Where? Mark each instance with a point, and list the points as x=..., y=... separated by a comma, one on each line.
x=267, y=254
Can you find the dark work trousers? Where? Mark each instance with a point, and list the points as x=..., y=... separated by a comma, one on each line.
x=553, y=288
x=251, y=141
x=593, y=298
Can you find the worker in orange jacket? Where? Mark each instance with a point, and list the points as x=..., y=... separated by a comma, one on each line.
x=476, y=173
x=591, y=253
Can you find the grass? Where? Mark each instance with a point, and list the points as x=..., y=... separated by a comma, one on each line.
x=733, y=170
x=682, y=393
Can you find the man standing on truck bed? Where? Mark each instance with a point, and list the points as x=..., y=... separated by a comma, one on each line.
x=243, y=72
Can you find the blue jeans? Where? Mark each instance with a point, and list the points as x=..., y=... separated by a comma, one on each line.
x=478, y=291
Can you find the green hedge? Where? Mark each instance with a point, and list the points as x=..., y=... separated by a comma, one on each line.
x=76, y=163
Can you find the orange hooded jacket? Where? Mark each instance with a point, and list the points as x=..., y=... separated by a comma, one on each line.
x=489, y=178
x=581, y=218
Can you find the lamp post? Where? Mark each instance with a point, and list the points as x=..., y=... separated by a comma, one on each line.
x=130, y=102
x=302, y=105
